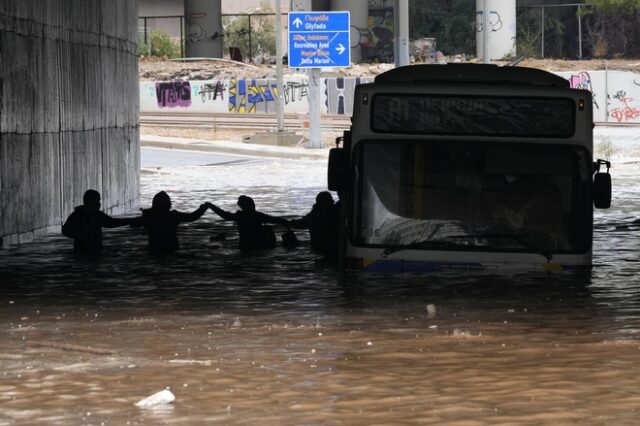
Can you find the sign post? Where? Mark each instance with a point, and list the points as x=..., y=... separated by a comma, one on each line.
x=318, y=40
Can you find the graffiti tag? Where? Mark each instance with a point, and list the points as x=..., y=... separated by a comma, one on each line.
x=626, y=112
x=246, y=95
x=291, y=89
x=196, y=33
x=173, y=94
x=212, y=91
x=583, y=81
x=495, y=21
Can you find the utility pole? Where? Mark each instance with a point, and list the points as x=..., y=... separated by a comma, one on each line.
x=279, y=94
x=486, y=58
x=542, y=29
x=579, y=32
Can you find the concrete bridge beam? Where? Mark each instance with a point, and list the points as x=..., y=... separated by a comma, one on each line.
x=68, y=110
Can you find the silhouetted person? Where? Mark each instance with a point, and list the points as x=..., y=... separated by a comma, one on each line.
x=321, y=222
x=161, y=223
x=253, y=233
x=85, y=224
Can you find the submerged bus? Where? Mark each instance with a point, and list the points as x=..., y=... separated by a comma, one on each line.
x=468, y=166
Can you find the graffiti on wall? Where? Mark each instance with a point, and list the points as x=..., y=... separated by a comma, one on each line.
x=583, y=81
x=294, y=91
x=624, y=111
x=173, y=94
x=252, y=96
x=196, y=33
x=259, y=96
x=210, y=91
x=620, y=104
x=377, y=46
x=495, y=21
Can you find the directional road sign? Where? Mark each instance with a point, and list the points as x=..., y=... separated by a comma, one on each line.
x=319, y=40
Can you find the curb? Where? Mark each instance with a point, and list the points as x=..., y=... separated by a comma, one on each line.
x=234, y=148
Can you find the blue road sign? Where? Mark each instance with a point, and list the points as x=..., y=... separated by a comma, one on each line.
x=319, y=40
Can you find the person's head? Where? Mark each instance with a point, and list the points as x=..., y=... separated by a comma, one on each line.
x=161, y=202
x=246, y=204
x=324, y=200
x=91, y=199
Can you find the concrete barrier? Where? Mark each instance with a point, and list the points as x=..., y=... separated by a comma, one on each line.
x=248, y=96
x=616, y=95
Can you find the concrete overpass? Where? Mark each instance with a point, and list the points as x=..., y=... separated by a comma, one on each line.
x=69, y=102
x=68, y=110
x=69, y=106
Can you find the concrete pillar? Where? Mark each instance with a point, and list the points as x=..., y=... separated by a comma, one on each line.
x=501, y=28
x=320, y=5
x=69, y=108
x=359, y=14
x=203, y=25
x=301, y=5
x=401, y=53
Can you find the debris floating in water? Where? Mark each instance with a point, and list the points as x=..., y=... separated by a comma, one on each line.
x=431, y=310
x=163, y=397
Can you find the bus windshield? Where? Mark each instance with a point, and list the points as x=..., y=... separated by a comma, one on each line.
x=472, y=196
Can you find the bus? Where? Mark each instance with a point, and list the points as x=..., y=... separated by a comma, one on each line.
x=468, y=167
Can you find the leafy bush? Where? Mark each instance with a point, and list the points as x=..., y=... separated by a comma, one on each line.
x=162, y=45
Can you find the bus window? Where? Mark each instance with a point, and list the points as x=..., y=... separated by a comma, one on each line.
x=471, y=195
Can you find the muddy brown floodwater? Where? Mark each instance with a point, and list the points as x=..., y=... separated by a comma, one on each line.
x=281, y=338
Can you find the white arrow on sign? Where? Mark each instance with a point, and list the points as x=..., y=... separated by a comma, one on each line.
x=297, y=22
x=340, y=48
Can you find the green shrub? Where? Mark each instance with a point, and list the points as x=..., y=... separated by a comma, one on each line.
x=162, y=45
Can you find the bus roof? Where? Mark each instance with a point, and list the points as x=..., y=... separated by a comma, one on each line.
x=471, y=73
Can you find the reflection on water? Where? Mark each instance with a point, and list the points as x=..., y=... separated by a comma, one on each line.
x=281, y=338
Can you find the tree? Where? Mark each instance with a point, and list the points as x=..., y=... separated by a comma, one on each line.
x=613, y=27
x=529, y=29
x=450, y=22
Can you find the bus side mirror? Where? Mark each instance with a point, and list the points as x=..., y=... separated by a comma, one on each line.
x=337, y=168
x=602, y=186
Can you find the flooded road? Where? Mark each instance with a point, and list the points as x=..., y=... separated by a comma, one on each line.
x=280, y=338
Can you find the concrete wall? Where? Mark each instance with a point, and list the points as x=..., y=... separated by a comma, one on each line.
x=160, y=7
x=69, y=106
x=616, y=95
x=250, y=96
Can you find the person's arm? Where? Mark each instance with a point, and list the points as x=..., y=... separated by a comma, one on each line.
x=193, y=216
x=71, y=227
x=107, y=221
x=302, y=223
x=265, y=218
x=222, y=213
